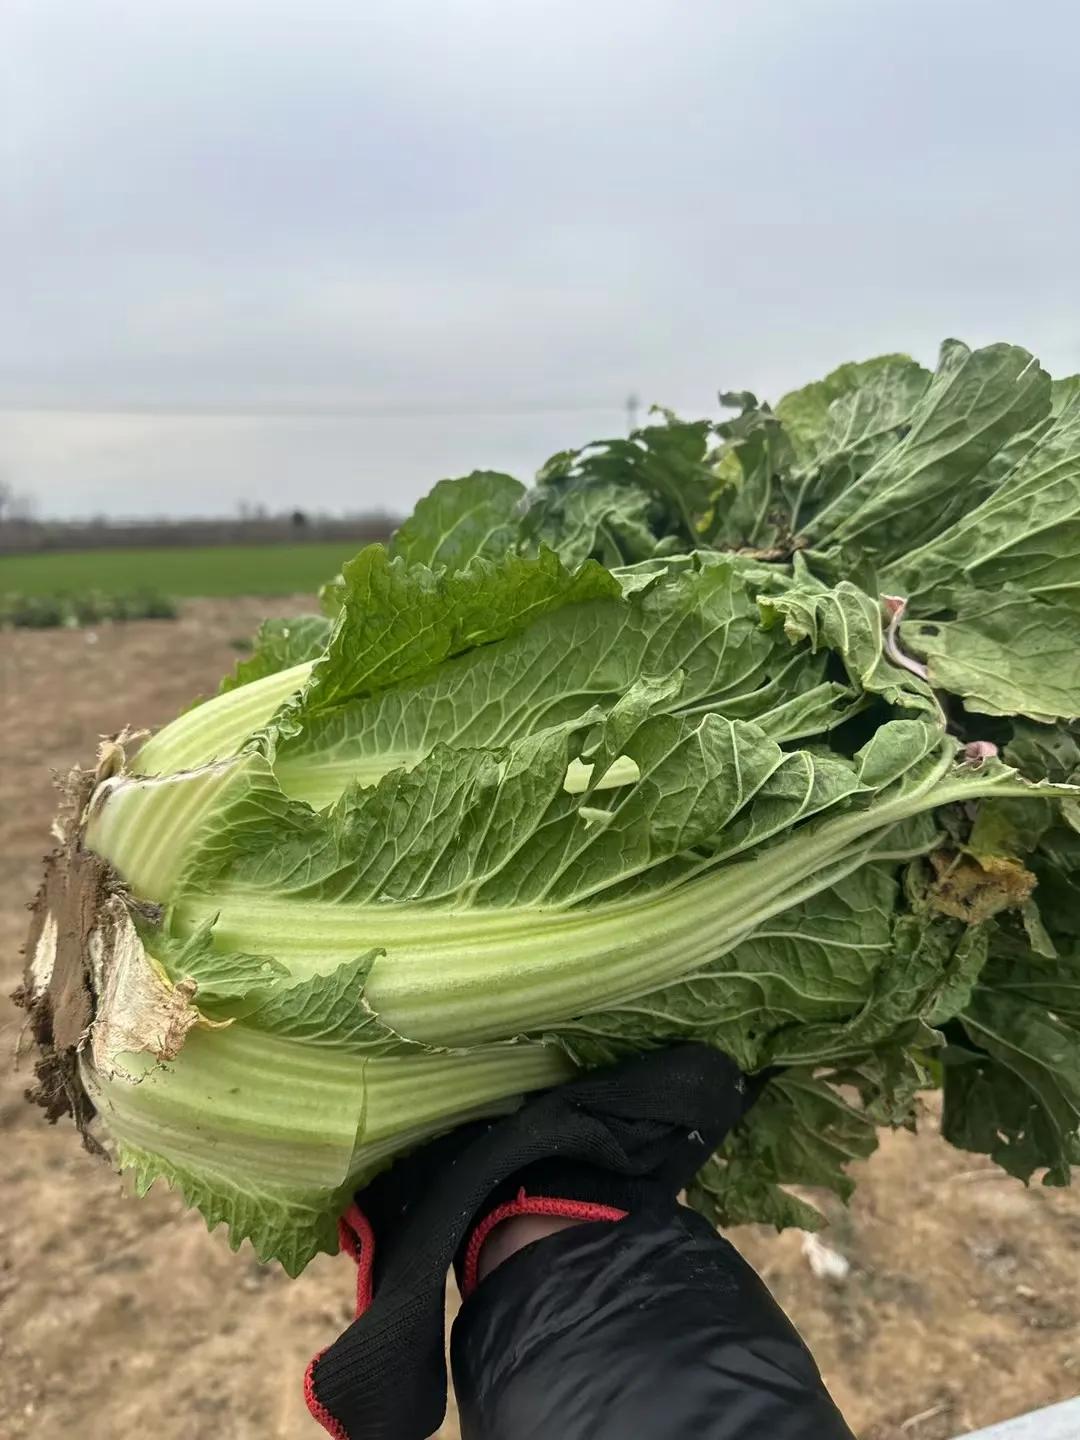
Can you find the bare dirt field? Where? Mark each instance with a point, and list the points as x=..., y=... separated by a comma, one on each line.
x=121, y=1318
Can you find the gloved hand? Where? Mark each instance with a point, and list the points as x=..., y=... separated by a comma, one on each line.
x=621, y=1140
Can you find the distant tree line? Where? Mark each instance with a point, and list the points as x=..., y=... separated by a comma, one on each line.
x=19, y=535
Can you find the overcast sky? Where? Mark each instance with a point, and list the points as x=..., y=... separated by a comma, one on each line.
x=325, y=253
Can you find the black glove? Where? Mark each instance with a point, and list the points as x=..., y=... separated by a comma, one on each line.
x=654, y=1328
x=627, y=1138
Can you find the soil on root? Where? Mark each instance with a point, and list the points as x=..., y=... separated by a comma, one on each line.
x=960, y=1307
x=55, y=988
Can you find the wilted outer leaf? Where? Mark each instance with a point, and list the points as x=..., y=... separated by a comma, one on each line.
x=809, y=414
x=624, y=500
x=1026, y=533
x=1050, y=752
x=750, y=510
x=1012, y=1085
x=866, y=406
x=1004, y=654
x=976, y=401
x=612, y=522
x=801, y=1132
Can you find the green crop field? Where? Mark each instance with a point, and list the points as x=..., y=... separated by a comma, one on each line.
x=206, y=570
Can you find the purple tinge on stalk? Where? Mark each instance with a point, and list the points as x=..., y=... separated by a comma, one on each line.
x=895, y=605
x=976, y=751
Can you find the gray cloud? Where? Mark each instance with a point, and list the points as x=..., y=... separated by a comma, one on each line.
x=255, y=251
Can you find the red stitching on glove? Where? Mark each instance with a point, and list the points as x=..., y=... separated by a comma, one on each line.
x=357, y=1239
x=527, y=1205
x=330, y=1423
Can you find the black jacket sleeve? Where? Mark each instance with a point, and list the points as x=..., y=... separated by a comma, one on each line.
x=652, y=1327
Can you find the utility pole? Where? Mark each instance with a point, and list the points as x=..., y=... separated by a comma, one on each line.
x=632, y=403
